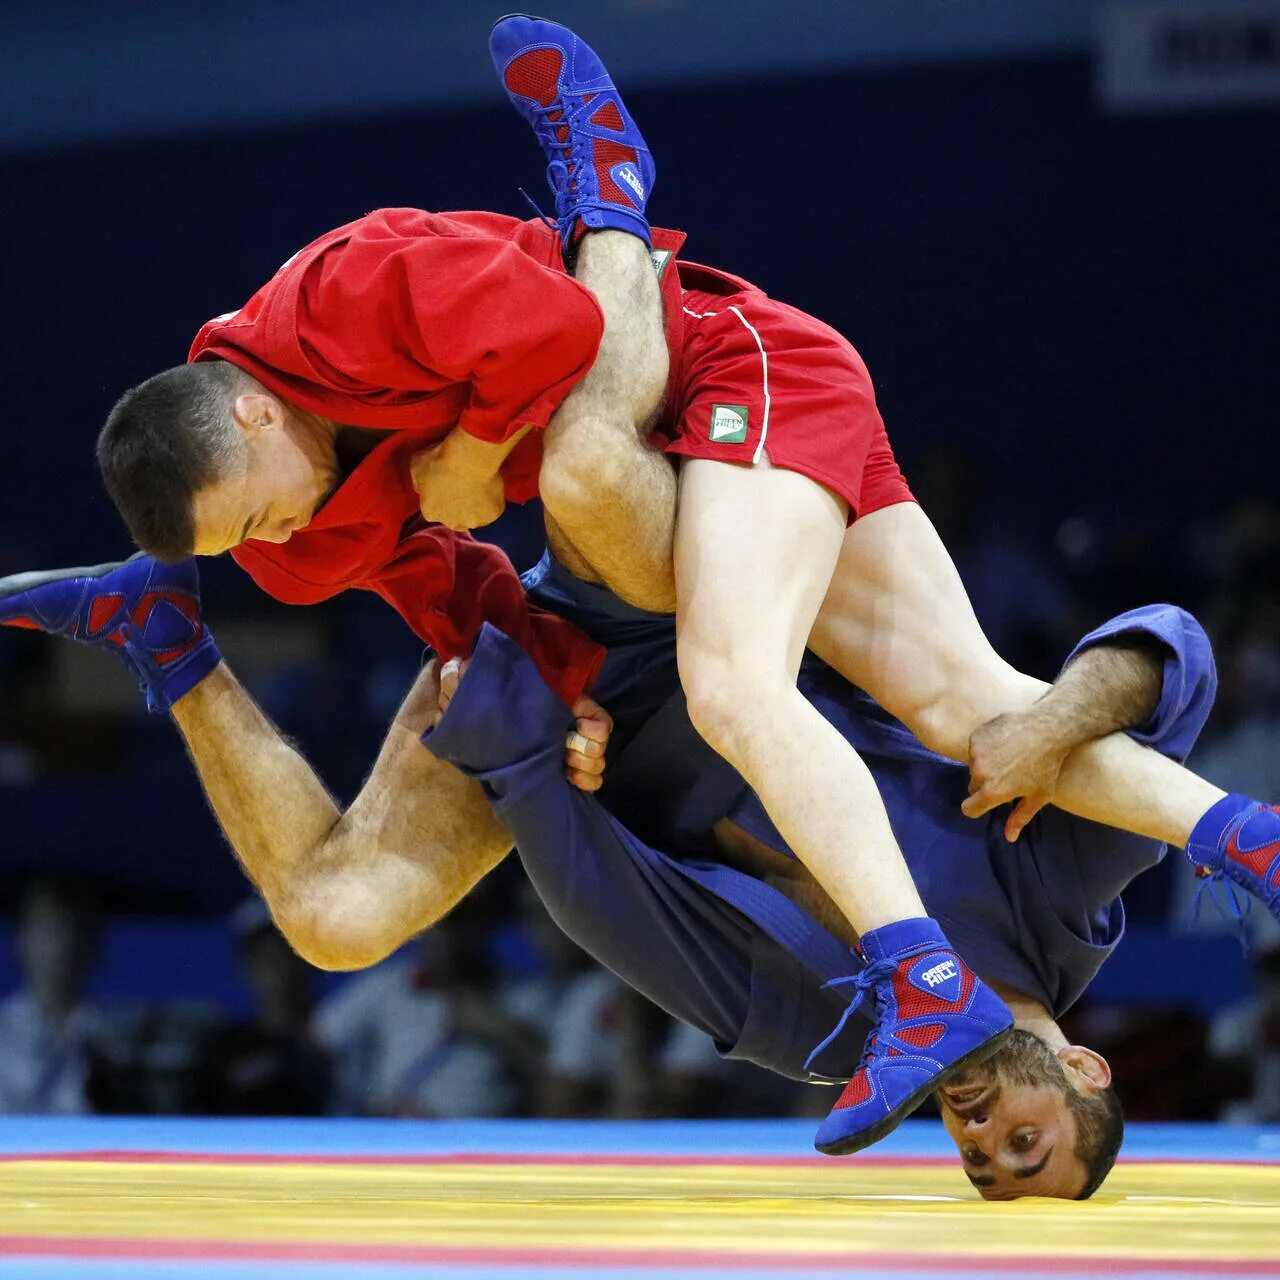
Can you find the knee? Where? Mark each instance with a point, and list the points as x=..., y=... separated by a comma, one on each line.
x=583, y=466
x=945, y=721
x=728, y=702
x=943, y=726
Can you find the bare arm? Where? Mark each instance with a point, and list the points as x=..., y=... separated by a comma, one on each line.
x=1108, y=687
x=345, y=888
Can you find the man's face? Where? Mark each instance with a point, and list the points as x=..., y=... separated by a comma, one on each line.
x=284, y=472
x=1010, y=1121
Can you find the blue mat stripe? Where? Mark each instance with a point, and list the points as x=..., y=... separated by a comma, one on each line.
x=82, y=1269
x=768, y=1138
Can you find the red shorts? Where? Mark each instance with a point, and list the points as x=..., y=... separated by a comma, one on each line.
x=758, y=379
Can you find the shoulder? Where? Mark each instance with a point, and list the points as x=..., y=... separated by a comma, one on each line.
x=403, y=223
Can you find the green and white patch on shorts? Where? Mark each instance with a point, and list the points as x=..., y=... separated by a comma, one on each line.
x=728, y=423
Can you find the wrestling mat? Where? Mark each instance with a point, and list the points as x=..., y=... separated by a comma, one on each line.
x=324, y=1200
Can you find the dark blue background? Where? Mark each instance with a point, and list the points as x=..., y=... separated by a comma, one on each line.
x=1092, y=299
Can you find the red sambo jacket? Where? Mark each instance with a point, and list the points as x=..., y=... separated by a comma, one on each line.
x=418, y=322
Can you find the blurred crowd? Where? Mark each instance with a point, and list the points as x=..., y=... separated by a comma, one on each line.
x=492, y=1011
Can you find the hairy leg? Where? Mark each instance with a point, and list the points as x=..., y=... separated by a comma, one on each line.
x=755, y=548
x=613, y=496
x=897, y=622
x=346, y=889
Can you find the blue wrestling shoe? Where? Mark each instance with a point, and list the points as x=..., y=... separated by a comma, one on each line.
x=1239, y=840
x=145, y=612
x=934, y=1017
x=599, y=168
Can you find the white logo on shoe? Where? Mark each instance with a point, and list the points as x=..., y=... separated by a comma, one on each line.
x=628, y=175
x=940, y=973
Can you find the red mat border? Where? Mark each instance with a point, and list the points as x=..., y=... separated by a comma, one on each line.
x=885, y=1261
x=527, y=1158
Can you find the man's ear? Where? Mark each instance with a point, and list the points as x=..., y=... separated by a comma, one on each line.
x=1088, y=1062
x=254, y=412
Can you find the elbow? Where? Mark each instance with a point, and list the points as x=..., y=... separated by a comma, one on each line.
x=335, y=951
x=341, y=937
x=337, y=954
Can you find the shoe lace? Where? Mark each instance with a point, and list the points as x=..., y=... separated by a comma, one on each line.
x=1212, y=883
x=862, y=983
x=573, y=146
x=550, y=223
x=147, y=671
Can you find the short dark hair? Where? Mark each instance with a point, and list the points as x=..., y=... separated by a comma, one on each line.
x=1099, y=1133
x=164, y=440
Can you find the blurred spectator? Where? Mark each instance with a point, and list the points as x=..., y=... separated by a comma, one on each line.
x=1159, y=1054
x=1246, y=1037
x=1021, y=599
x=47, y=1029
x=24, y=682
x=1244, y=619
x=18, y=766
x=697, y=1081
x=612, y=1053
x=1239, y=554
x=1241, y=747
x=582, y=1048
x=543, y=962
x=269, y=1065
x=1266, y=1067
x=423, y=1033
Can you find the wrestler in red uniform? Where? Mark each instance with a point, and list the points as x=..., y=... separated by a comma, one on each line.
x=413, y=323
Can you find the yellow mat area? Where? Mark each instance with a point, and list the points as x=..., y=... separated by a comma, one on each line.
x=1155, y=1212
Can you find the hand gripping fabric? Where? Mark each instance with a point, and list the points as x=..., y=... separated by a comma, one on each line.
x=599, y=168
x=934, y=1017
x=1239, y=840
x=145, y=612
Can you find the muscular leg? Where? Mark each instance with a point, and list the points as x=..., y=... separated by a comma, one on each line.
x=613, y=496
x=898, y=623
x=755, y=548
x=346, y=889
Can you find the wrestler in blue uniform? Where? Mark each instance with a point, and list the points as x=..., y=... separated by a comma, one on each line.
x=635, y=878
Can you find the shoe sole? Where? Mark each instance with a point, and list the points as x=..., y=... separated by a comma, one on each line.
x=531, y=17
x=882, y=1128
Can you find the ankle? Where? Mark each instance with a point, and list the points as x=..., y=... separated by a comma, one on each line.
x=901, y=939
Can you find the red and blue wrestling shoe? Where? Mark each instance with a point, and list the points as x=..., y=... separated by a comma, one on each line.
x=934, y=1017
x=599, y=168
x=1239, y=840
x=145, y=612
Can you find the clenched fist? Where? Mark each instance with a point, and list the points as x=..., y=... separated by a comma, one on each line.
x=455, y=496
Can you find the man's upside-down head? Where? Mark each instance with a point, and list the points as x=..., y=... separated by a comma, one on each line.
x=1032, y=1122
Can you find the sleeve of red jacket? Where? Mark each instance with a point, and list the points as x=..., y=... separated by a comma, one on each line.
x=484, y=588
x=419, y=312
x=445, y=585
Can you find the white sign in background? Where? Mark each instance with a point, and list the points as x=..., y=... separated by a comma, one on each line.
x=1161, y=54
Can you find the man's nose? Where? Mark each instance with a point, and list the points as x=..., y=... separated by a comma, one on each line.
x=976, y=1123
